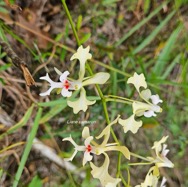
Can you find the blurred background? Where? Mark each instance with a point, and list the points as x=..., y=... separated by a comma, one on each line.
x=125, y=36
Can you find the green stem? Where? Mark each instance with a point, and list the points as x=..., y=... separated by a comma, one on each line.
x=71, y=22
x=120, y=98
x=138, y=156
x=119, y=165
x=118, y=101
x=139, y=163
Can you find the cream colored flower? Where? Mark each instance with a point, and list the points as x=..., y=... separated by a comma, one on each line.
x=102, y=174
x=151, y=179
x=161, y=151
x=81, y=103
x=90, y=147
x=67, y=86
x=150, y=107
x=138, y=81
x=130, y=124
x=82, y=55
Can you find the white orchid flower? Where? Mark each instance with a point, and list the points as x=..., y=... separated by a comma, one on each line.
x=161, y=151
x=67, y=86
x=151, y=179
x=97, y=149
x=147, y=108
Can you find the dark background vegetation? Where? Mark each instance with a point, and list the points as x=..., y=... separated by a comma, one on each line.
x=128, y=35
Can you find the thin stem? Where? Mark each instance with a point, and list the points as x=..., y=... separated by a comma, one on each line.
x=118, y=101
x=140, y=163
x=87, y=65
x=120, y=98
x=138, y=156
x=71, y=22
x=119, y=165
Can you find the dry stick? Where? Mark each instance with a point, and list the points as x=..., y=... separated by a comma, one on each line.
x=18, y=62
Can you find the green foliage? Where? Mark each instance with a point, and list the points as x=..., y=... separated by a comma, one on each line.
x=36, y=182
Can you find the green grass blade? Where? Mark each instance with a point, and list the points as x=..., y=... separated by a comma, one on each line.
x=54, y=111
x=171, y=66
x=154, y=33
x=138, y=26
x=165, y=54
x=27, y=148
x=52, y=103
x=20, y=124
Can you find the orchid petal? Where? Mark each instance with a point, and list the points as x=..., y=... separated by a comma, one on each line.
x=102, y=174
x=160, y=150
x=63, y=76
x=155, y=99
x=149, y=114
x=85, y=132
x=58, y=71
x=163, y=182
x=88, y=140
x=158, y=144
x=139, y=108
x=151, y=178
x=87, y=157
x=98, y=78
x=77, y=148
x=130, y=124
x=82, y=55
x=65, y=92
x=71, y=141
x=106, y=132
x=124, y=150
x=81, y=103
x=145, y=94
x=138, y=81
x=52, y=85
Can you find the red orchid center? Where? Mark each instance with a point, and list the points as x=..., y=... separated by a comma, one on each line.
x=66, y=84
x=88, y=148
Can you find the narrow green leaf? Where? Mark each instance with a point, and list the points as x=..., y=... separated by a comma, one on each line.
x=56, y=109
x=20, y=124
x=5, y=67
x=85, y=38
x=27, y=148
x=79, y=23
x=171, y=66
x=138, y=26
x=165, y=54
x=146, y=6
x=154, y=33
x=59, y=36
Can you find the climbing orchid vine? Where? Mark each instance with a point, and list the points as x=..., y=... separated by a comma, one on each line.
x=96, y=146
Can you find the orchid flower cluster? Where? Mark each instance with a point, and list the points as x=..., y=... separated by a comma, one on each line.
x=67, y=85
x=147, y=106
